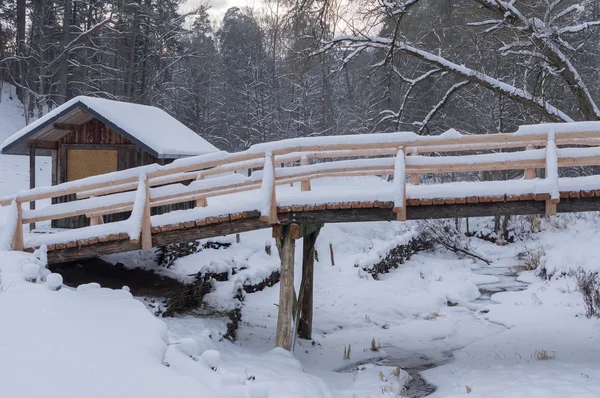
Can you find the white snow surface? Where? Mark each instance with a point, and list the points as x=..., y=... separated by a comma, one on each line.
x=97, y=342
x=146, y=124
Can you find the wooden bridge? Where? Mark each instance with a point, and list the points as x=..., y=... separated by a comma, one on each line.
x=297, y=185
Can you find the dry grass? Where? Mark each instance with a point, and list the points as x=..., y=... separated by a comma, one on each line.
x=347, y=352
x=375, y=346
x=397, y=372
x=588, y=283
x=432, y=316
x=543, y=355
x=532, y=261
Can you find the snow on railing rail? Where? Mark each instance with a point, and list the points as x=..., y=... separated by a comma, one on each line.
x=212, y=174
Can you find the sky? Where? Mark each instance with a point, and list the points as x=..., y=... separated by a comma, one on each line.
x=218, y=7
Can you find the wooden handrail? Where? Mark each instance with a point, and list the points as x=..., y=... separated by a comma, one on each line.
x=327, y=145
x=211, y=174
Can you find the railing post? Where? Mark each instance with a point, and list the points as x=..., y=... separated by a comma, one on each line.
x=399, y=187
x=552, y=176
x=200, y=202
x=17, y=243
x=529, y=173
x=305, y=184
x=96, y=220
x=414, y=177
x=146, y=231
x=268, y=212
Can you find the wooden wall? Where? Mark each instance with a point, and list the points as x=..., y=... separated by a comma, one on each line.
x=96, y=135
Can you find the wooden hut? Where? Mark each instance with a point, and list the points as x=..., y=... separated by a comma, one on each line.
x=89, y=136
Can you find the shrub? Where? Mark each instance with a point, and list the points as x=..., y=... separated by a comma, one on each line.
x=531, y=261
x=543, y=355
x=374, y=345
x=588, y=283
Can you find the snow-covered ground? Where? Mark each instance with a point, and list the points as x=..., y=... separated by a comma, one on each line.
x=97, y=342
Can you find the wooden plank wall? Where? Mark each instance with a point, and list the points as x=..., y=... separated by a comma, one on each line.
x=96, y=135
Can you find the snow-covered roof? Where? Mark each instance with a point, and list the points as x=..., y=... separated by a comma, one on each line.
x=149, y=127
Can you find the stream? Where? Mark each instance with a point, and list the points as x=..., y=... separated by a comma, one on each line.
x=414, y=363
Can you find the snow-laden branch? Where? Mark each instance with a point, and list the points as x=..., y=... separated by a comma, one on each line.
x=441, y=104
x=473, y=76
x=546, y=39
x=578, y=28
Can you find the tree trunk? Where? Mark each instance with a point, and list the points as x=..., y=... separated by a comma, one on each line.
x=21, y=22
x=64, y=61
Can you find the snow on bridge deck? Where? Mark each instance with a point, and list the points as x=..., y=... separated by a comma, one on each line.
x=328, y=190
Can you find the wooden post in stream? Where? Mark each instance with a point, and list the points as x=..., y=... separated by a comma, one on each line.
x=293, y=320
x=308, y=271
x=286, y=246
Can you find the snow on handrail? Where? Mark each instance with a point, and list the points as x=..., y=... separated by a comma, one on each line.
x=454, y=142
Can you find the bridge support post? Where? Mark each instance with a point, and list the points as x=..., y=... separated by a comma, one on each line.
x=306, y=297
x=286, y=246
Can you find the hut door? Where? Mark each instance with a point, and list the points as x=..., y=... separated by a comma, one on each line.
x=83, y=163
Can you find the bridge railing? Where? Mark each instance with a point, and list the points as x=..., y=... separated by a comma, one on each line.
x=216, y=174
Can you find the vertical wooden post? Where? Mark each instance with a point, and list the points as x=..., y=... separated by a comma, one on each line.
x=32, y=179
x=331, y=254
x=17, y=243
x=414, y=177
x=552, y=176
x=268, y=213
x=201, y=202
x=96, y=220
x=529, y=173
x=305, y=184
x=399, y=186
x=146, y=220
x=286, y=290
x=308, y=269
x=54, y=166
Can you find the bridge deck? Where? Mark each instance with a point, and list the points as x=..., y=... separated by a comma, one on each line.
x=350, y=179
x=239, y=213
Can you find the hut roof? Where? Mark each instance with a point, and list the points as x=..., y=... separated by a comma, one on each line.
x=149, y=127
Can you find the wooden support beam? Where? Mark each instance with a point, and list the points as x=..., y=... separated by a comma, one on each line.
x=298, y=231
x=550, y=208
x=41, y=144
x=32, y=180
x=305, y=184
x=146, y=238
x=67, y=126
x=306, y=299
x=286, y=246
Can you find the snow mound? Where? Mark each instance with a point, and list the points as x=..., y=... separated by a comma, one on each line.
x=212, y=358
x=54, y=281
x=31, y=272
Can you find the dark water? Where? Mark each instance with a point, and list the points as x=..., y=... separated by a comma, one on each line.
x=415, y=363
x=412, y=362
